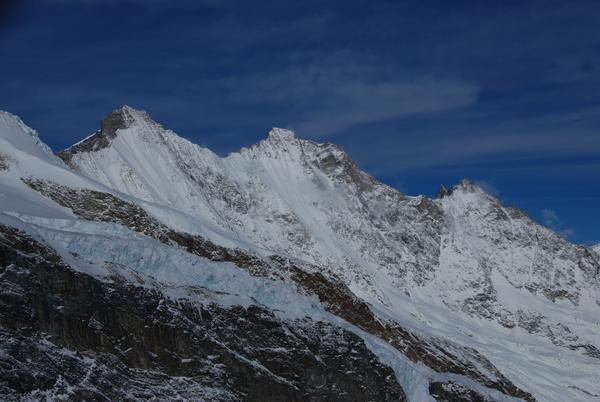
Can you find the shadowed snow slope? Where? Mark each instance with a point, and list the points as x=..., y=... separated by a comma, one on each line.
x=460, y=267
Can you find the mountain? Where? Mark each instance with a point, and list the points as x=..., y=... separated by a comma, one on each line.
x=452, y=298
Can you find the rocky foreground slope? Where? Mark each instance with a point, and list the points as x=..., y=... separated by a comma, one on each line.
x=141, y=264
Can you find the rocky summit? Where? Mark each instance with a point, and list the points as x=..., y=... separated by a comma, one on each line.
x=138, y=265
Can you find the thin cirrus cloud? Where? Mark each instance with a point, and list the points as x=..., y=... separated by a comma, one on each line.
x=326, y=100
x=360, y=102
x=448, y=149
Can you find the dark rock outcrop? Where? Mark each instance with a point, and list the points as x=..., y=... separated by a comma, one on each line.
x=3, y=162
x=453, y=392
x=442, y=191
x=118, y=119
x=68, y=335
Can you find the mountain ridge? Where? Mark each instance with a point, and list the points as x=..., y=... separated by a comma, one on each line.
x=440, y=268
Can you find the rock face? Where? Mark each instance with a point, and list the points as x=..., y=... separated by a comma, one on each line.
x=151, y=267
x=68, y=335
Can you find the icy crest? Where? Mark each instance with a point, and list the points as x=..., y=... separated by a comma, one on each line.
x=21, y=136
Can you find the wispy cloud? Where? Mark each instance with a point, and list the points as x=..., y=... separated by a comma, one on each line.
x=352, y=102
x=551, y=220
x=489, y=187
x=340, y=92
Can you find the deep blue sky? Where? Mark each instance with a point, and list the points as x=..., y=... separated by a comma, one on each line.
x=418, y=92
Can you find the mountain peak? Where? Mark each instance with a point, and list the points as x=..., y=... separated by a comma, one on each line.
x=471, y=192
x=119, y=119
x=442, y=191
x=465, y=186
x=278, y=140
x=281, y=134
x=123, y=117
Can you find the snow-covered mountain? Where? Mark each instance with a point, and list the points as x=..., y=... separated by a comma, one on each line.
x=459, y=296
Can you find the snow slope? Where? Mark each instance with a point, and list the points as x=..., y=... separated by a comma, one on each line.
x=105, y=250
x=310, y=201
x=460, y=267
